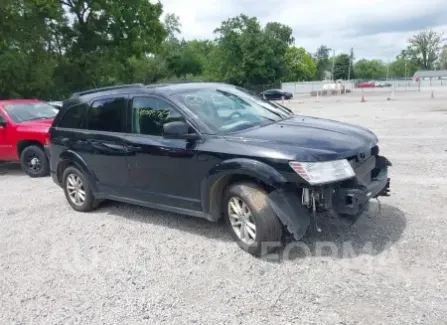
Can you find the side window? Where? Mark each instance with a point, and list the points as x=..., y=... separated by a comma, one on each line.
x=72, y=118
x=107, y=115
x=149, y=114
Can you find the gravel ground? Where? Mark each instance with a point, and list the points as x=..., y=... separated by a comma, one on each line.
x=131, y=265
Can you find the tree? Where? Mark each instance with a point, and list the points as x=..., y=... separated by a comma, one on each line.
x=426, y=46
x=172, y=26
x=322, y=60
x=373, y=69
x=299, y=64
x=249, y=54
x=27, y=60
x=341, y=66
x=184, y=61
x=443, y=58
x=103, y=35
x=402, y=68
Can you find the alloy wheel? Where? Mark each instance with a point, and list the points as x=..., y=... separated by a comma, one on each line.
x=75, y=189
x=241, y=220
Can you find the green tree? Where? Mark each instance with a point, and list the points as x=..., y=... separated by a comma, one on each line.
x=299, y=64
x=370, y=69
x=27, y=60
x=104, y=36
x=443, y=58
x=402, y=68
x=341, y=66
x=322, y=60
x=249, y=54
x=184, y=61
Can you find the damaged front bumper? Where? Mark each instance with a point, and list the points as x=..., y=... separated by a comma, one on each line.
x=353, y=201
x=348, y=199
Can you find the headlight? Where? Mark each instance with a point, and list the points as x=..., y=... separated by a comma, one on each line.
x=323, y=172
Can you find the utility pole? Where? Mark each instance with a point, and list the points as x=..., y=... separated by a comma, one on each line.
x=387, y=70
x=351, y=54
x=333, y=65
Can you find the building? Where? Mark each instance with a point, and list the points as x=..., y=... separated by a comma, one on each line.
x=430, y=74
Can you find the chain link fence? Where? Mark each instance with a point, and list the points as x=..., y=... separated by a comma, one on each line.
x=401, y=84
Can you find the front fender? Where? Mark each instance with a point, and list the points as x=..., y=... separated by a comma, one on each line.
x=217, y=178
x=71, y=157
x=287, y=206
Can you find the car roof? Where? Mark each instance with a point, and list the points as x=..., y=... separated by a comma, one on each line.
x=19, y=101
x=158, y=88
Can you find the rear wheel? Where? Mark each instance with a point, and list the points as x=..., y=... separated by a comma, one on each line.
x=34, y=162
x=77, y=190
x=251, y=220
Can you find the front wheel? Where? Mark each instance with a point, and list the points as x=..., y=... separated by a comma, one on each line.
x=251, y=220
x=34, y=162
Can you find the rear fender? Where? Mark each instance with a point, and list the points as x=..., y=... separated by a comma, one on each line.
x=287, y=206
x=72, y=158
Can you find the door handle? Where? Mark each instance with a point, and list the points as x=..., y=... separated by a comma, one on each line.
x=130, y=148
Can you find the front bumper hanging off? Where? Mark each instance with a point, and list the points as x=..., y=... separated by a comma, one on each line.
x=349, y=199
x=353, y=201
x=352, y=198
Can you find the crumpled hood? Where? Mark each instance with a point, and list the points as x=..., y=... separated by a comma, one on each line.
x=321, y=138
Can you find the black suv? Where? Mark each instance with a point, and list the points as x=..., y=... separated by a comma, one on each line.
x=214, y=150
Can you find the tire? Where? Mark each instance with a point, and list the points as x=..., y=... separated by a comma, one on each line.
x=74, y=180
x=268, y=227
x=34, y=162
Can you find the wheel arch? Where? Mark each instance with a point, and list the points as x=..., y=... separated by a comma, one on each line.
x=22, y=144
x=70, y=158
x=233, y=171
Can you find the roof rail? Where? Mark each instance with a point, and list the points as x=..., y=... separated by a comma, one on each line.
x=173, y=82
x=95, y=90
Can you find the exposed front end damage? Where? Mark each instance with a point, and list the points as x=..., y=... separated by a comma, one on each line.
x=297, y=208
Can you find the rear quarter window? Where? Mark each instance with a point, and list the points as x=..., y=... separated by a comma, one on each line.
x=73, y=117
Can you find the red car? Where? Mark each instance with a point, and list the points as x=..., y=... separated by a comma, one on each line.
x=24, y=125
x=369, y=84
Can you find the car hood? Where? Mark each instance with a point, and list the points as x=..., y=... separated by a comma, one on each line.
x=307, y=136
x=38, y=125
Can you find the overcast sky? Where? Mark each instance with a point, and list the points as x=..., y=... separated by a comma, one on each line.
x=374, y=28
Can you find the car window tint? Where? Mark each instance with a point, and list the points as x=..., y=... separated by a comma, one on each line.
x=107, y=115
x=73, y=117
x=149, y=114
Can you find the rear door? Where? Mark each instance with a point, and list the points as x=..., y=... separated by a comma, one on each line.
x=103, y=140
x=95, y=131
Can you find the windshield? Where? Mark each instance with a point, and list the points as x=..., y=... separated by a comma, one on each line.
x=229, y=109
x=30, y=111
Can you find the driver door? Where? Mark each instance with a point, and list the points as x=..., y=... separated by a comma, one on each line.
x=162, y=171
x=7, y=151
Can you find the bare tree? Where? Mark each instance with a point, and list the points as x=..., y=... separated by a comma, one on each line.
x=427, y=46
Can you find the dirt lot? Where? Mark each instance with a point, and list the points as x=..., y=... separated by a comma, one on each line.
x=130, y=265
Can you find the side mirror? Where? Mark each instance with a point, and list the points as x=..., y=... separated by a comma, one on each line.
x=178, y=130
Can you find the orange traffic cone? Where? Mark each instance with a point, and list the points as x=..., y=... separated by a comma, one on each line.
x=363, y=99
